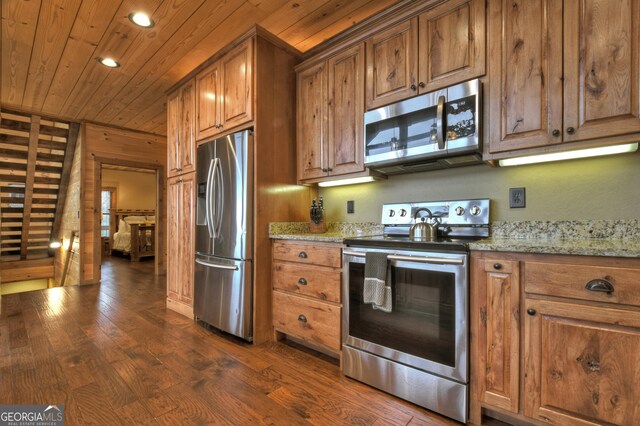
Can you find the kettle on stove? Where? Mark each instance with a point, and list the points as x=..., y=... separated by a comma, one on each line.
x=423, y=230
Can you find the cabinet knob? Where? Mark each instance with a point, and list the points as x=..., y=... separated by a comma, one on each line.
x=571, y=130
x=302, y=318
x=329, y=169
x=497, y=266
x=531, y=311
x=422, y=85
x=325, y=170
x=414, y=87
x=555, y=132
x=302, y=255
x=302, y=281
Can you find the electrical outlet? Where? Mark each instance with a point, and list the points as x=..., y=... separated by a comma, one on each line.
x=350, y=206
x=517, y=198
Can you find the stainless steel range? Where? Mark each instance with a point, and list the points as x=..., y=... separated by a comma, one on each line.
x=416, y=348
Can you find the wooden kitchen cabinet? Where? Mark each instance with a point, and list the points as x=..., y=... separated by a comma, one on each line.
x=330, y=110
x=306, y=280
x=496, y=327
x=181, y=193
x=225, y=92
x=181, y=142
x=562, y=72
x=441, y=47
x=577, y=322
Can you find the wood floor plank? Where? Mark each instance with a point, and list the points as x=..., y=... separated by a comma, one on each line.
x=113, y=354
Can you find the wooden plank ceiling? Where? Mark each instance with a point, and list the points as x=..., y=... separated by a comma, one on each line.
x=49, y=49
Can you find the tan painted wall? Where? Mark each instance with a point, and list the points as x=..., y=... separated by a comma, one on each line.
x=135, y=190
x=71, y=222
x=595, y=188
x=122, y=147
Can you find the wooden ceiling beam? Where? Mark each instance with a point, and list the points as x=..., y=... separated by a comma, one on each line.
x=28, y=186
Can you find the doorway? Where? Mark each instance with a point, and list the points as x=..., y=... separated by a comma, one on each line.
x=129, y=207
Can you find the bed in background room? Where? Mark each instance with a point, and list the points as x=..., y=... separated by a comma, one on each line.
x=133, y=232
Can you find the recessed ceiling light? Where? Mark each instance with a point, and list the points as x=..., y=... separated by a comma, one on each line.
x=108, y=62
x=141, y=19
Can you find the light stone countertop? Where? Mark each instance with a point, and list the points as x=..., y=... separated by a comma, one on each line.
x=583, y=247
x=336, y=231
x=619, y=238
x=615, y=238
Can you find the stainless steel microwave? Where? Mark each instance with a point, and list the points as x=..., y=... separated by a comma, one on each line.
x=431, y=131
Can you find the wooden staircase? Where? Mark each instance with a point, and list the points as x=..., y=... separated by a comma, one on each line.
x=35, y=162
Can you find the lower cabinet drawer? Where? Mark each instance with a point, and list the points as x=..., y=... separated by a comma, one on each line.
x=312, y=321
x=314, y=281
x=597, y=283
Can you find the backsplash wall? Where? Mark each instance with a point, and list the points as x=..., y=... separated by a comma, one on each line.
x=595, y=188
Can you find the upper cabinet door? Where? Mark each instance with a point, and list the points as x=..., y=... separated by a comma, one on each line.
x=452, y=44
x=311, y=122
x=187, y=143
x=173, y=132
x=346, y=109
x=392, y=64
x=208, y=87
x=525, y=74
x=237, y=75
x=602, y=64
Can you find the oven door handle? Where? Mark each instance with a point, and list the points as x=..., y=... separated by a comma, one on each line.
x=422, y=259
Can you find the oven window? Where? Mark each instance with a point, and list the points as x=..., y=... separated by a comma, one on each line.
x=422, y=322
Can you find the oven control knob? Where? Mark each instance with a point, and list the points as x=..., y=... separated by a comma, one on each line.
x=475, y=210
x=403, y=212
x=392, y=213
x=459, y=210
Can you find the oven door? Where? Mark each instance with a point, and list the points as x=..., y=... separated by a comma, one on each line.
x=427, y=327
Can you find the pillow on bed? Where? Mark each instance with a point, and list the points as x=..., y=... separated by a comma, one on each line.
x=123, y=226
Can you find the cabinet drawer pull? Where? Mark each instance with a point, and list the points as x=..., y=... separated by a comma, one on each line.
x=414, y=87
x=531, y=311
x=422, y=85
x=571, y=130
x=302, y=255
x=302, y=318
x=555, y=132
x=497, y=266
x=302, y=281
x=599, y=285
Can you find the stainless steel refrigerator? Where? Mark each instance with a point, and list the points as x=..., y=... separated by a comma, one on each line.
x=224, y=239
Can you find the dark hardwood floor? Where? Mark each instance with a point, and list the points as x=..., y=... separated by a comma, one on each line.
x=113, y=354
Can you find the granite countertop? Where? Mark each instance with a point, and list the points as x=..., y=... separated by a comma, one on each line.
x=614, y=238
x=336, y=231
x=587, y=238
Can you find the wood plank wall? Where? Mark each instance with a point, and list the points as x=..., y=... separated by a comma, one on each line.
x=70, y=222
x=109, y=145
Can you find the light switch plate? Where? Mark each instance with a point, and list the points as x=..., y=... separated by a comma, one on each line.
x=517, y=198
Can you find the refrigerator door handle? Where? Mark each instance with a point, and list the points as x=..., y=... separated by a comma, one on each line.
x=213, y=195
x=219, y=197
x=207, y=200
x=215, y=265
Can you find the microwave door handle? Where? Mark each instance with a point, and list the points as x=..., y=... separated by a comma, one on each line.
x=440, y=122
x=207, y=199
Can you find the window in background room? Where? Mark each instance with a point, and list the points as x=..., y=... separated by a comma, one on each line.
x=108, y=202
